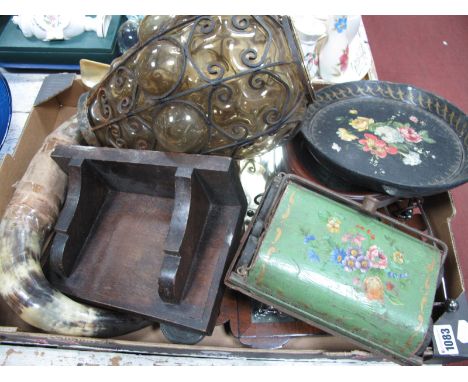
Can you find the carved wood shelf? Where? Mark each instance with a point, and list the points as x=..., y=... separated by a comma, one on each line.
x=147, y=232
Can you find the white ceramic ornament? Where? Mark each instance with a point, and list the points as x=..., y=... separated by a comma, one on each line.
x=61, y=27
x=334, y=54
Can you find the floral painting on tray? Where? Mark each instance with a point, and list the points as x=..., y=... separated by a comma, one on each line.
x=403, y=138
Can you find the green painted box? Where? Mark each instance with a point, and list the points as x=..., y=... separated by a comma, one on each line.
x=19, y=51
x=322, y=259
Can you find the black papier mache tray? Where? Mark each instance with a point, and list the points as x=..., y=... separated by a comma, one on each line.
x=389, y=137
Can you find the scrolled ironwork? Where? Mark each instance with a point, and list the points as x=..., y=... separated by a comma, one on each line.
x=240, y=22
x=229, y=85
x=104, y=106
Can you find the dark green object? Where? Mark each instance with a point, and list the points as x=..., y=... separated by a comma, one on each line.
x=17, y=49
x=335, y=267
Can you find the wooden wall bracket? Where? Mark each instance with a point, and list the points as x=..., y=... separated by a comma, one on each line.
x=136, y=222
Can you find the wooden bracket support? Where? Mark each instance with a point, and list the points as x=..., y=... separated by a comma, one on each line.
x=191, y=207
x=86, y=193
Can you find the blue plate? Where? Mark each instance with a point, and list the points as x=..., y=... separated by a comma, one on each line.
x=5, y=109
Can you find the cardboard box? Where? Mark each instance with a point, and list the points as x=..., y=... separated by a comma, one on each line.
x=57, y=104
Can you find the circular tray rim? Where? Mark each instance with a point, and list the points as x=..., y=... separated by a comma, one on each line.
x=323, y=99
x=296, y=166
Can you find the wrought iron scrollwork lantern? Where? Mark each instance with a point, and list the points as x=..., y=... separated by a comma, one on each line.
x=227, y=85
